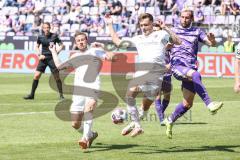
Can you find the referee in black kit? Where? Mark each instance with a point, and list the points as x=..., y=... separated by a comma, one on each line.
x=46, y=59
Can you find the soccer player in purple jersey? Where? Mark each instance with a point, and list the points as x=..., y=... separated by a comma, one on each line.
x=183, y=59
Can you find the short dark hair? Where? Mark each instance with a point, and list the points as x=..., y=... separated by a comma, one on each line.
x=144, y=16
x=77, y=33
x=47, y=23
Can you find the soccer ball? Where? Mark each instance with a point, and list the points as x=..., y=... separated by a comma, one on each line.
x=119, y=115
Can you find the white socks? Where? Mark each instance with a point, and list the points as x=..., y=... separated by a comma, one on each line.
x=87, y=125
x=132, y=110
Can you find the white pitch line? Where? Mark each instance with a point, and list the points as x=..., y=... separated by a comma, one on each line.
x=24, y=113
x=48, y=112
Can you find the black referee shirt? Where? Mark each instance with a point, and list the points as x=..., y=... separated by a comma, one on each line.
x=45, y=42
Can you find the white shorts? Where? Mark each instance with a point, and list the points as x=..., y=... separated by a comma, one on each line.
x=79, y=103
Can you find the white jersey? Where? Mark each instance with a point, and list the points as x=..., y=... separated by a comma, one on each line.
x=238, y=51
x=151, y=48
x=81, y=70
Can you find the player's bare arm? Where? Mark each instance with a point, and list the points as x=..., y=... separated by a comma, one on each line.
x=174, y=39
x=109, y=55
x=109, y=21
x=60, y=48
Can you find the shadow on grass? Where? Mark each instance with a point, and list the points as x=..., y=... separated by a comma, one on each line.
x=106, y=147
x=190, y=123
x=179, y=149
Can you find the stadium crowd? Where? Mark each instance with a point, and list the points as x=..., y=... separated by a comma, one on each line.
x=24, y=17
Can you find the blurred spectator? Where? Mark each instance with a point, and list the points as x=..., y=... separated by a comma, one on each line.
x=38, y=6
x=229, y=6
x=18, y=26
x=198, y=15
x=116, y=7
x=234, y=8
x=6, y=25
x=229, y=46
x=179, y=5
x=27, y=7
x=10, y=3
x=36, y=27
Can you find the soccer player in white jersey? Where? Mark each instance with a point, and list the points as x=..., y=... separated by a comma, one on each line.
x=82, y=107
x=237, y=69
x=151, y=48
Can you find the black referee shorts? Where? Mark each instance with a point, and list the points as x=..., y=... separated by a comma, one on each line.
x=42, y=65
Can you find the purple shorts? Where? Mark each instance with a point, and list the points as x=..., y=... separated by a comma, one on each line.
x=180, y=73
x=167, y=84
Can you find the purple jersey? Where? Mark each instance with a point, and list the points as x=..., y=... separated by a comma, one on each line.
x=186, y=53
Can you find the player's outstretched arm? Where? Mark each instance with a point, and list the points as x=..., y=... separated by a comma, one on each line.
x=108, y=55
x=54, y=52
x=109, y=22
x=174, y=38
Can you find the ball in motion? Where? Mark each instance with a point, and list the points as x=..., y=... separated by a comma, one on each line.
x=119, y=115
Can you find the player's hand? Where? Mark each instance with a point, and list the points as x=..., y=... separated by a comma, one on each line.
x=108, y=19
x=42, y=57
x=52, y=48
x=211, y=37
x=161, y=23
x=97, y=45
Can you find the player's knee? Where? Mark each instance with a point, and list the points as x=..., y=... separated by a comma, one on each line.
x=196, y=75
x=76, y=124
x=134, y=89
x=187, y=104
x=37, y=76
x=90, y=108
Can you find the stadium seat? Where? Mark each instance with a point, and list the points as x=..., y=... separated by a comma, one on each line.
x=22, y=18
x=85, y=10
x=238, y=19
x=150, y=10
x=161, y=17
x=220, y=19
x=48, y=18
x=75, y=27
x=30, y=18
x=231, y=19
x=65, y=27
x=93, y=10
x=49, y=3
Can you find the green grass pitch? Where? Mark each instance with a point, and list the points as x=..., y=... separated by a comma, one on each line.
x=29, y=130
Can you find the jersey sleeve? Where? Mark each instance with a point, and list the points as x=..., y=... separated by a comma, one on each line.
x=165, y=37
x=202, y=35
